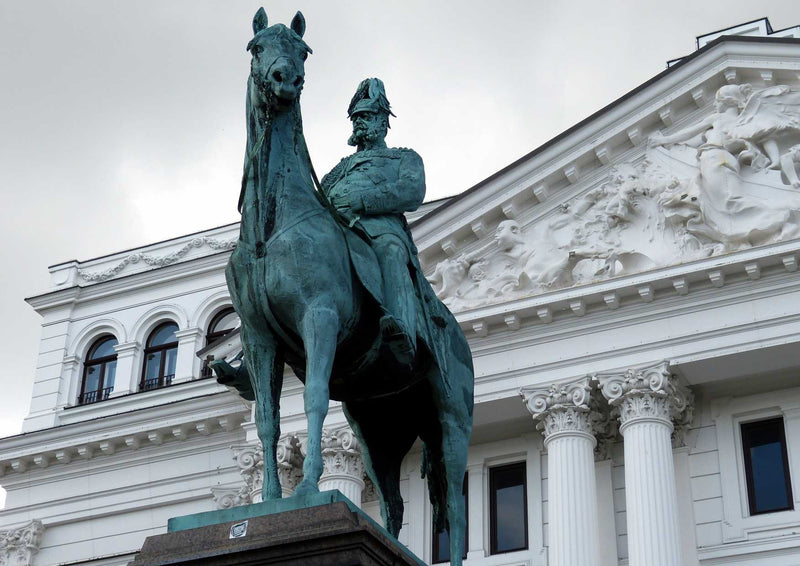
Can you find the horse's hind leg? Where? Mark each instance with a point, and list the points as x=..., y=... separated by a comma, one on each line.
x=320, y=330
x=455, y=443
x=382, y=427
x=265, y=366
x=448, y=444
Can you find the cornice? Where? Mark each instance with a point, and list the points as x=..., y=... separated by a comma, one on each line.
x=131, y=283
x=675, y=282
x=104, y=436
x=630, y=116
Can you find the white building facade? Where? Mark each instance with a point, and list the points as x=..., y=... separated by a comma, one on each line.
x=631, y=295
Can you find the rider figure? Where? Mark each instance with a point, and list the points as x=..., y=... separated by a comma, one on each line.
x=374, y=187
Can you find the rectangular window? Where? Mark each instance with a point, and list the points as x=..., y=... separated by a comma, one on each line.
x=766, y=466
x=508, y=508
x=441, y=541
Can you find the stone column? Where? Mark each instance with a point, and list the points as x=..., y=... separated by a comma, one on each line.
x=563, y=415
x=648, y=400
x=17, y=546
x=343, y=467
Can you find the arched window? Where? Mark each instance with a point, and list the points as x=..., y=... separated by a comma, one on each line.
x=160, y=355
x=221, y=325
x=98, y=371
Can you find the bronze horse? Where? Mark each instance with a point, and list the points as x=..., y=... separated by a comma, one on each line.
x=307, y=290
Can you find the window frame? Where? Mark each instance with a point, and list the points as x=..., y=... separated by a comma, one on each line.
x=102, y=392
x=493, y=505
x=162, y=380
x=748, y=465
x=738, y=525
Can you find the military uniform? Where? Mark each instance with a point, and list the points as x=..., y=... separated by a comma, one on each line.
x=378, y=186
x=373, y=188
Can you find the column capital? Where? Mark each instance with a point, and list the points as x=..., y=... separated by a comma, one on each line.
x=561, y=408
x=290, y=462
x=17, y=546
x=647, y=393
x=341, y=454
x=250, y=460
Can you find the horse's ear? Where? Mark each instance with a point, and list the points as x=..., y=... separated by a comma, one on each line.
x=299, y=24
x=259, y=21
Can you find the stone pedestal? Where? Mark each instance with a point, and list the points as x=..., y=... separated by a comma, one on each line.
x=323, y=529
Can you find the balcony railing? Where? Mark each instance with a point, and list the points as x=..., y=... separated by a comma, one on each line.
x=156, y=382
x=89, y=397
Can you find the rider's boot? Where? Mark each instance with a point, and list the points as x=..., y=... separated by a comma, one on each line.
x=398, y=339
x=399, y=323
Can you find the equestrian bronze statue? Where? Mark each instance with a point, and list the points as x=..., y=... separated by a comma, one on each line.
x=327, y=280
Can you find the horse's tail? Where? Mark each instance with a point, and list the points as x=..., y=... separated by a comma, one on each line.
x=433, y=469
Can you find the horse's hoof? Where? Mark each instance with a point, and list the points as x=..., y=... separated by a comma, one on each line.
x=306, y=487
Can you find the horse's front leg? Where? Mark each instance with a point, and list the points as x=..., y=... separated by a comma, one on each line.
x=265, y=366
x=320, y=329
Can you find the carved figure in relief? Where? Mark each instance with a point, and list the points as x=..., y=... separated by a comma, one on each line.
x=728, y=209
x=725, y=183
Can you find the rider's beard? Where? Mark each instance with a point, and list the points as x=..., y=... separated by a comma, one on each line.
x=366, y=137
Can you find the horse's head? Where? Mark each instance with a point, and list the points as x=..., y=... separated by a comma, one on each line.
x=279, y=53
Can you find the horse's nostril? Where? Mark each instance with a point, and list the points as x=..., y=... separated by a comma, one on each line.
x=277, y=76
x=298, y=81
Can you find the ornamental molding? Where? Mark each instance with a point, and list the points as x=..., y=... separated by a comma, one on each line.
x=341, y=457
x=341, y=454
x=290, y=455
x=650, y=392
x=106, y=436
x=573, y=407
x=560, y=408
x=158, y=260
x=249, y=458
x=225, y=498
x=725, y=182
x=17, y=546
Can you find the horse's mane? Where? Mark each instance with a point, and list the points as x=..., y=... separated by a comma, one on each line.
x=259, y=129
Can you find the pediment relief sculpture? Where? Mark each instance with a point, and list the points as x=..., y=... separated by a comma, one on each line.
x=726, y=183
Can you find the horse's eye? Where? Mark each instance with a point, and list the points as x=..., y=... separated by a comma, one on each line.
x=256, y=49
x=305, y=55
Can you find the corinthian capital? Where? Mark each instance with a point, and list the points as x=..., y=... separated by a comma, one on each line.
x=560, y=408
x=17, y=546
x=290, y=462
x=647, y=392
x=341, y=454
x=250, y=460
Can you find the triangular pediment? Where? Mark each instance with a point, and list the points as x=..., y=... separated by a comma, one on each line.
x=697, y=164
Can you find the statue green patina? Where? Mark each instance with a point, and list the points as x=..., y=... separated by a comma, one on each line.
x=329, y=283
x=373, y=188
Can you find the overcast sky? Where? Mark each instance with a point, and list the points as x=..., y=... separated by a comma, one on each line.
x=122, y=122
